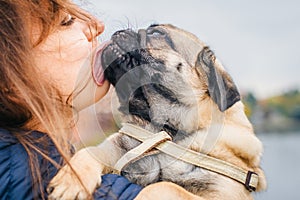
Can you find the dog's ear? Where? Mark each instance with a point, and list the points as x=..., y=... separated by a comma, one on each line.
x=221, y=87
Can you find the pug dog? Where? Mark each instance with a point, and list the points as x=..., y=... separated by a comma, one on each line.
x=166, y=79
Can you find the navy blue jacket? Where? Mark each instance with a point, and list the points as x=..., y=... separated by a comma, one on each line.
x=16, y=179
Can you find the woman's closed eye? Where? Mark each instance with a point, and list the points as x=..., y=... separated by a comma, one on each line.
x=68, y=20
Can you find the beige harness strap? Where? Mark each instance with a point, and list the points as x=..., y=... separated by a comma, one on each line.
x=248, y=178
x=149, y=142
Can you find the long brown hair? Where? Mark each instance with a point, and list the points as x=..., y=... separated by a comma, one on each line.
x=27, y=102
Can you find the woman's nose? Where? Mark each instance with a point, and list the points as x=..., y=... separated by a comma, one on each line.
x=94, y=28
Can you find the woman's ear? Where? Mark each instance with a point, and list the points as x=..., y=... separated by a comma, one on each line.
x=221, y=87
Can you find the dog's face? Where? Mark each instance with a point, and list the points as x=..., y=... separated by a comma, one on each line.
x=165, y=76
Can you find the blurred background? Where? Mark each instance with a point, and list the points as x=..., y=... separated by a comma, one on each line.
x=258, y=42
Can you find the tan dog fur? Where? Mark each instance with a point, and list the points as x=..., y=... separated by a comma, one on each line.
x=236, y=144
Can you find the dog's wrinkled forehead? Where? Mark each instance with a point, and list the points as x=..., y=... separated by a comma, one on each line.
x=160, y=37
x=166, y=36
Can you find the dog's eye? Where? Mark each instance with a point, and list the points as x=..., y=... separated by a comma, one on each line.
x=155, y=33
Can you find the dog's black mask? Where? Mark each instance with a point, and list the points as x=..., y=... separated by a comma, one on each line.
x=123, y=55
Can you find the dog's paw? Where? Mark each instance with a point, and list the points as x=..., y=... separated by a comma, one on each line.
x=66, y=185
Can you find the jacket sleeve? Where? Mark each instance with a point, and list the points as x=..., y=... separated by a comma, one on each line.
x=15, y=177
x=15, y=174
x=116, y=187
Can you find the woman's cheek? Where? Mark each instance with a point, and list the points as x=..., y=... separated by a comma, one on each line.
x=78, y=53
x=61, y=57
x=70, y=64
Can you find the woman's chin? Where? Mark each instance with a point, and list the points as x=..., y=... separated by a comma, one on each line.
x=90, y=95
x=101, y=91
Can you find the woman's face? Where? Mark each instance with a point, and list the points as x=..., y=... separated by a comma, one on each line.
x=66, y=55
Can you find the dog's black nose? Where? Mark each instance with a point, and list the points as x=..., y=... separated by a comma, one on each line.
x=127, y=40
x=128, y=32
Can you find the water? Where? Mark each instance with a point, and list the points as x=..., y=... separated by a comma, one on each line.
x=281, y=162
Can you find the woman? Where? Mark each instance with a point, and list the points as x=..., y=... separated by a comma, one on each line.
x=45, y=45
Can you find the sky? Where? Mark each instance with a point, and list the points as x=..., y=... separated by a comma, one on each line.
x=257, y=41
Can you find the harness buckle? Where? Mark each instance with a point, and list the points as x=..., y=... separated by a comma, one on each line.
x=248, y=181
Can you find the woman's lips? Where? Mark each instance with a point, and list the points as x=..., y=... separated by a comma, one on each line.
x=97, y=71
